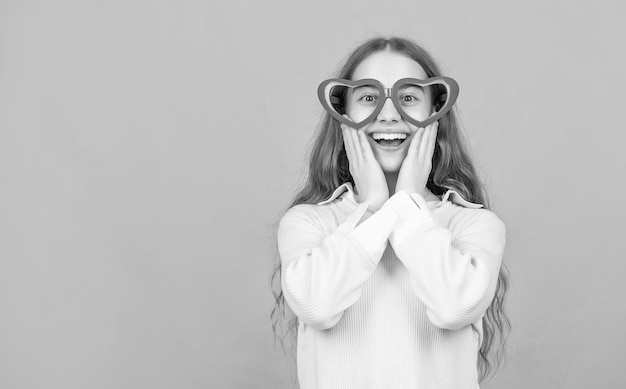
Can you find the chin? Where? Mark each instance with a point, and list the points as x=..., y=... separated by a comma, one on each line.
x=390, y=163
x=390, y=166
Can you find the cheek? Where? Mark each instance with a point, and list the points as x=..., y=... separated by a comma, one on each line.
x=356, y=113
x=420, y=113
x=424, y=112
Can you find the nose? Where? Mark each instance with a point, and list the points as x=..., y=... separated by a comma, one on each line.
x=389, y=112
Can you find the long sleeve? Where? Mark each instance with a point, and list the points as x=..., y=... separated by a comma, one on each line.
x=323, y=272
x=455, y=277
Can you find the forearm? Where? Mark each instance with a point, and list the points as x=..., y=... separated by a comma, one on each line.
x=323, y=274
x=455, y=278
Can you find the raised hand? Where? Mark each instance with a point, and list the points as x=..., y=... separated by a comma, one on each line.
x=370, y=181
x=418, y=163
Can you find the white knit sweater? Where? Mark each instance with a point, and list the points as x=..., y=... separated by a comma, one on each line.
x=407, y=314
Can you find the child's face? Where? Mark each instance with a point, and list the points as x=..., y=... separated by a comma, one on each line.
x=388, y=67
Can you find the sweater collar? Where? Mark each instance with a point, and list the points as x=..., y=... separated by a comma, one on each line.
x=452, y=195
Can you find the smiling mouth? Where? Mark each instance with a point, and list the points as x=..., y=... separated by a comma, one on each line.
x=389, y=140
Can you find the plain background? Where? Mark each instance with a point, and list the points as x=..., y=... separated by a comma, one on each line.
x=147, y=149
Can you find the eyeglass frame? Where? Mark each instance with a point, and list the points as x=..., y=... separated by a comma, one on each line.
x=449, y=98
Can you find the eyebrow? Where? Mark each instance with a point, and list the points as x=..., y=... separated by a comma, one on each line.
x=412, y=86
x=364, y=87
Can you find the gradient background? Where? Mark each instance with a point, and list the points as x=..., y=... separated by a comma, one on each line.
x=149, y=147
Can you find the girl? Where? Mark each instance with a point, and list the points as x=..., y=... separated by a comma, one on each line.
x=389, y=257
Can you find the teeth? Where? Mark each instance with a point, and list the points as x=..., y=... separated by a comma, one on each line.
x=380, y=135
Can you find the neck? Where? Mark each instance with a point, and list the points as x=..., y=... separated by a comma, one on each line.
x=392, y=179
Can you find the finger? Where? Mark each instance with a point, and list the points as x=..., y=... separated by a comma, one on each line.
x=428, y=142
x=356, y=145
x=432, y=141
x=347, y=132
x=349, y=144
x=423, y=148
x=415, y=142
x=366, y=148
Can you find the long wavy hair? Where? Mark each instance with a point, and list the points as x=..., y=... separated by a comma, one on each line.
x=452, y=168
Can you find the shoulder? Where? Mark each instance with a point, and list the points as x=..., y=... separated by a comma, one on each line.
x=322, y=218
x=466, y=220
x=307, y=216
x=303, y=212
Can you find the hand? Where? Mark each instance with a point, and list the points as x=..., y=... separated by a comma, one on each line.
x=418, y=163
x=368, y=176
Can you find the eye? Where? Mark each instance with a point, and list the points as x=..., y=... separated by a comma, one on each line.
x=367, y=98
x=409, y=99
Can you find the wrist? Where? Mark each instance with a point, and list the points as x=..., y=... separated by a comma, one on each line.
x=408, y=189
x=373, y=207
x=373, y=203
x=412, y=190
